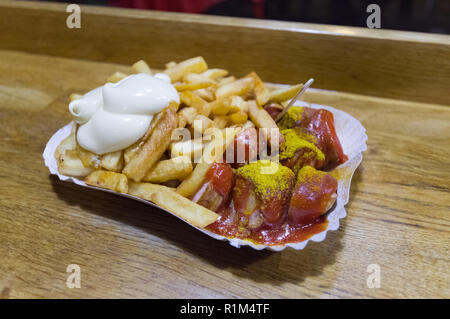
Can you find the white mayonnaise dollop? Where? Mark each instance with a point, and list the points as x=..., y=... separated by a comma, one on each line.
x=116, y=115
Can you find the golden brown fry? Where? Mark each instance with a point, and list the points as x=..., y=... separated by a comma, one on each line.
x=190, y=148
x=202, y=123
x=238, y=117
x=74, y=96
x=197, y=78
x=88, y=158
x=166, y=170
x=116, y=77
x=170, y=64
x=206, y=94
x=220, y=107
x=166, y=198
x=263, y=120
x=192, y=86
x=131, y=150
x=190, y=99
x=226, y=80
x=215, y=73
x=239, y=87
x=181, y=121
x=69, y=164
x=212, y=153
x=69, y=143
x=67, y=157
x=261, y=92
x=112, y=161
x=247, y=125
x=189, y=114
x=220, y=121
x=147, y=155
x=110, y=180
x=237, y=104
x=194, y=65
x=284, y=94
x=141, y=67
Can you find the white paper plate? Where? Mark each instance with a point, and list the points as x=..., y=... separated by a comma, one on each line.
x=353, y=140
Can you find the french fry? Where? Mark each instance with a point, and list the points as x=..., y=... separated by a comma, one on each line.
x=190, y=99
x=71, y=165
x=141, y=67
x=202, y=123
x=190, y=148
x=220, y=107
x=166, y=170
x=170, y=64
x=66, y=155
x=181, y=121
x=237, y=104
x=112, y=161
x=178, y=205
x=69, y=143
x=198, y=78
x=238, y=117
x=239, y=87
x=215, y=73
x=284, y=94
x=206, y=94
x=212, y=153
x=192, y=86
x=194, y=65
x=189, y=114
x=110, y=180
x=179, y=134
x=74, y=96
x=226, y=80
x=131, y=150
x=261, y=92
x=67, y=158
x=220, y=121
x=147, y=155
x=262, y=119
x=88, y=158
x=116, y=77
x=247, y=125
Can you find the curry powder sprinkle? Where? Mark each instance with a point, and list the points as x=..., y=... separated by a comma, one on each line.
x=292, y=116
x=295, y=140
x=277, y=177
x=308, y=174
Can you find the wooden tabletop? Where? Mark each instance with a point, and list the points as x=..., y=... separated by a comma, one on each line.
x=398, y=214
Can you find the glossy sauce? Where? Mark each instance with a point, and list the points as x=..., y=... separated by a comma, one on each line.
x=320, y=123
x=220, y=176
x=232, y=221
x=309, y=199
x=116, y=115
x=287, y=233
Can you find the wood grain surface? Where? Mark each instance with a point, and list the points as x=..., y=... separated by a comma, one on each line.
x=400, y=65
x=398, y=214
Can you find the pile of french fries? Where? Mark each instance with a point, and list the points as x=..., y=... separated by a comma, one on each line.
x=165, y=169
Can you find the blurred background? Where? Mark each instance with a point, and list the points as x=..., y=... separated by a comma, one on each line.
x=431, y=16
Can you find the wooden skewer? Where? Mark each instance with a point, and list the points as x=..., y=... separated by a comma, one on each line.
x=295, y=98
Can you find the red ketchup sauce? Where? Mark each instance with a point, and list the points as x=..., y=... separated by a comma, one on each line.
x=246, y=142
x=311, y=195
x=321, y=124
x=288, y=232
x=302, y=217
x=277, y=229
x=220, y=176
